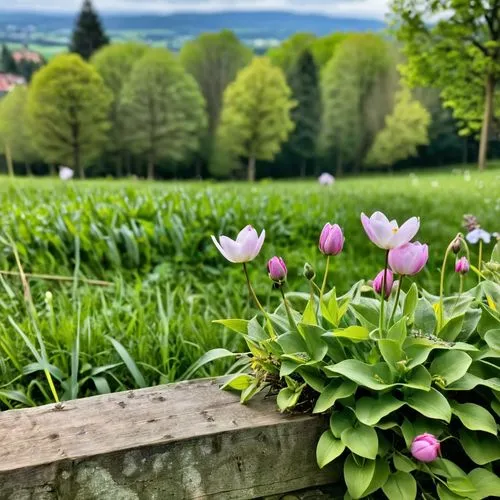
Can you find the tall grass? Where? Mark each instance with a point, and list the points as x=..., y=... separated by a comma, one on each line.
x=152, y=241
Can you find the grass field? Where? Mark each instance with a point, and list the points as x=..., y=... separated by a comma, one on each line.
x=152, y=241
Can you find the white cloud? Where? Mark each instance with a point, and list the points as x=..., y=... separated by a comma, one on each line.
x=355, y=8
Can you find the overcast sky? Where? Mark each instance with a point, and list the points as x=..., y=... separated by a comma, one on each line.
x=355, y=8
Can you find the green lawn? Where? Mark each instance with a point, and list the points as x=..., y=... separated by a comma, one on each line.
x=152, y=240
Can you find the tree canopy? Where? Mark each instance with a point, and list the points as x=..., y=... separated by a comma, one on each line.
x=256, y=119
x=459, y=54
x=68, y=105
x=88, y=34
x=163, y=108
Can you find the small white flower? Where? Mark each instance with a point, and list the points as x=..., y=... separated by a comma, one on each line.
x=478, y=234
x=326, y=179
x=65, y=173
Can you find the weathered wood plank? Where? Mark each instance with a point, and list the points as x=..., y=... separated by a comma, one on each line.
x=181, y=441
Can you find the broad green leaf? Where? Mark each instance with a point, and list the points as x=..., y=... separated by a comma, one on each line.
x=354, y=333
x=256, y=332
x=336, y=389
x=402, y=463
x=208, y=357
x=400, y=486
x=397, y=332
x=239, y=382
x=236, y=325
x=362, y=440
x=328, y=449
x=380, y=476
x=290, y=364
x=370, y=411
x=391, y=351
x=425, y=318
x=287, y=398
x=445, y=468
x=312, y=377
x=309, y=316
x=411, y=301
x=339, y=421
x=481, y=448
x=375, y=377
x=492, y=338
x=452, y=328
x=490, y=320
x=253, y=389
x=316, y=346
x=462, y=486
x=474, y=417
x=470, y=381
x=450, y=366
x=419, y=378
x=358, y=477
x=445, y=494
x=367, y=312
x=486, y=483
x=431, y=404
x=291, y=343
x=408, y=432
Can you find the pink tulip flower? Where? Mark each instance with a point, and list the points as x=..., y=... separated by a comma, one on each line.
x=331, y=240
x=389, y=282
x=408, y=259
x=425, y=448
x=277, y=269
x=462, y=266
x=244, y=249
x=387, y=234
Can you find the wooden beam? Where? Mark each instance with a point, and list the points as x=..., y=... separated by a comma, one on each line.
x=181, y=441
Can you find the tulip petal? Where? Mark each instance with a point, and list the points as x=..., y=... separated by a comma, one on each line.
x=406, y=232
x=383, y=233
x=380, y=217
x=245, y=233
x=259, y=244
x=221, y=250
x=232, y=249
x=368, y=229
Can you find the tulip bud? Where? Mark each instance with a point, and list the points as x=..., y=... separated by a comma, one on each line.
x=389, y=281
x=462, y=266
x=456, y=245
x=309, y=271
x=425, y=448
x=277, y=269
x=331, y=240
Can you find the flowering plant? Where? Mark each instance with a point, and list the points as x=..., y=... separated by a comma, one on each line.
x=410, y=381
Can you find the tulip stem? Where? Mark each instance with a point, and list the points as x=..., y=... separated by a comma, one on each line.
x=460, y=290
x=441, y=287
x=397, y=299
x=480, y=259
x=323, y=286
x=382, y=294
x=288, y=311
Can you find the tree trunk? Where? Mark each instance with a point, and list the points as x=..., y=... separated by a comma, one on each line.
x=303, y=168
x=52, y=170
x=197, y=168
x=488, y=111
x=251, y=169
x=151, y=168
x=128, y=164
x=29, y=173
x=465, y=151
x=119, y=166
x=340, y=166
x=8, y=158
x=77, y=162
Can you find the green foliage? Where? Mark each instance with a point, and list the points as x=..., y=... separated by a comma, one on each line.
x=324, y=48
x=303, y=80
x=286, y=54
x=68, y=107
x=15, y=124
x=384, y=386
x=214, y=59
x=357, y=93
x=163, y=109
x=7, y=63
x=88, y=34
x=114, y=63
x=405, y=130
x=255, y=118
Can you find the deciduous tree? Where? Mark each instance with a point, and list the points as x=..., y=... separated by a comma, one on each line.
x=164, y=110
x=256, y=119
x=68, y=105
x=459, y=53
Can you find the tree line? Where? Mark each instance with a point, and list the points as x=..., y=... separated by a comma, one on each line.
x=338, y=103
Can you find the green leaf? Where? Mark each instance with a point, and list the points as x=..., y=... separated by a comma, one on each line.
x=236, y=325
x=450, y=366
x=431, y=404
x=354, y=333
x=445, y=494
x=419, y=378
x=312, y=377
x=400, y=486
x=486, y=483
x=367, y=311
x=253, y=389
x=490, y=320
x=425, y=319
x=336, y=389
x=481, y=448
x=474, y=417
x=358, y=477
x=316, y=346
x=208, y=357
x=291, y=343
x=256, y=332
x=362, y=440
x=382, y=471
x=391, y=351
x=462, y=486
x=397, y=332
x=370, y=411
x=287, y=398
x=376, y=377
x=328, y=449
x=130, y=363
x=492, y=338
x=452, y=328
x=339, y=421
x=445, y=468
x=411, y=301
x=402, y=463
x=309, y=316
x=239, y=382
x=408, y=432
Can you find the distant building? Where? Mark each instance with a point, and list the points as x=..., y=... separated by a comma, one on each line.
x=8, y=81
x=26, y=55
